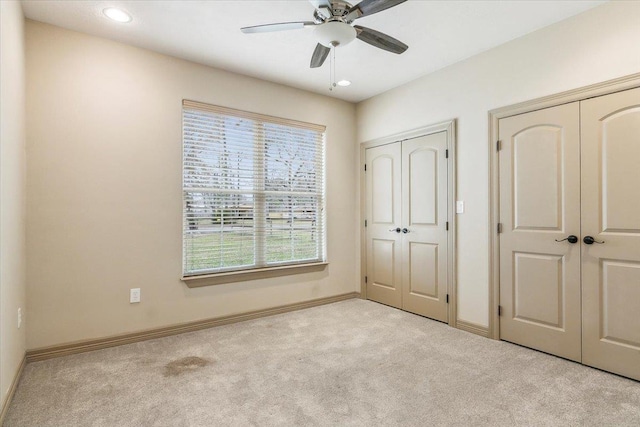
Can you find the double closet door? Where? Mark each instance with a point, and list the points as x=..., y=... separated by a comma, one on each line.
x=570, y=241
x=406, y=230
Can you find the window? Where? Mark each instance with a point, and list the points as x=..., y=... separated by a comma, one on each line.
x=253, y=191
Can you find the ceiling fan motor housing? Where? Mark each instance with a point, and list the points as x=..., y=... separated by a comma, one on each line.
x=340, y=8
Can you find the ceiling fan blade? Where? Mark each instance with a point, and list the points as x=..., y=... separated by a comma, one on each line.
x=281, y=26
x=369, y=7
x=380, y=40
x=319, y=55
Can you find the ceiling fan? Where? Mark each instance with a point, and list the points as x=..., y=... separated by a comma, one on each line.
x=333, y=27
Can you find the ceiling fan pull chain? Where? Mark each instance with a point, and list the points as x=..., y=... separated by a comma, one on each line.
x=332, y=64
x=333, y=67
x=330, y=60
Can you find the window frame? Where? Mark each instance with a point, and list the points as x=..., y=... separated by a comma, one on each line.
x=257, y=271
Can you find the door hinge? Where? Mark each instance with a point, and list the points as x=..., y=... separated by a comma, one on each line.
x=447, y=225
x=498, y=145
x=365, y=279
x=446, y=154
x=365, y=167
x=447, y=298
x=499, y=227
x=499, y=310
x=365, y=222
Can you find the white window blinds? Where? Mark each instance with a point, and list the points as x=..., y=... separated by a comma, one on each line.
x=253, y=190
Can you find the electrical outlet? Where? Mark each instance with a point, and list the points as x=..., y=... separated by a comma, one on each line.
x=134, y=295
x=19, y=317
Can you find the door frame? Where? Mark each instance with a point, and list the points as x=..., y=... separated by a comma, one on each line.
x=449, y=127
x=605, y=88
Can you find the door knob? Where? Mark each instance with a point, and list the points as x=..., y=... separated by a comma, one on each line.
x=405, y=230
x=570, y=239
x=397, y=230
x=590, y=240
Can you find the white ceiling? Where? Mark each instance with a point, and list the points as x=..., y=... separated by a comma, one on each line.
x=439, y=33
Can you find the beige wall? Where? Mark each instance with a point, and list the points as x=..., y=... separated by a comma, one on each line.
x=12, y=192
x=104, y=188
x=104, y=200
x=598, y=45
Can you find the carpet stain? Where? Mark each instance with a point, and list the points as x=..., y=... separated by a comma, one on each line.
x=184, y=365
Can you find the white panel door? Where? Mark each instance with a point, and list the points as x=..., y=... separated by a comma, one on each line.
x=406, y=233
x=610, y=128
x=383, y=236
x=539, y=210
x=424, y=226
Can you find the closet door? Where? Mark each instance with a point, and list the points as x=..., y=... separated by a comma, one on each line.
x=539, y=210
x=611, y=216
x=384, y=221
x=406, y=234
x=424, y=222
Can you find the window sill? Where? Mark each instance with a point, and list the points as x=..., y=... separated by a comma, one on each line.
x=258, y=273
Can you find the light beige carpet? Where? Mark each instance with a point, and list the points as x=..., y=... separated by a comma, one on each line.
x=353, y=363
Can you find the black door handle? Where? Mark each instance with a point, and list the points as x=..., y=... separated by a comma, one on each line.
x=570, y=239
x=590, y=240
x=405, y=230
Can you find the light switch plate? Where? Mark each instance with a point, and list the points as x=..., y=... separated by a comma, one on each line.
x=134, y=295
x=459, y=206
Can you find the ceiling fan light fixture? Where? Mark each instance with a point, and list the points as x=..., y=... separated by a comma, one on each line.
x=334, y=33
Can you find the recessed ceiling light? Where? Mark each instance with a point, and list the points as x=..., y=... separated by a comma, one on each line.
x=117, y=15
x=344, y=83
